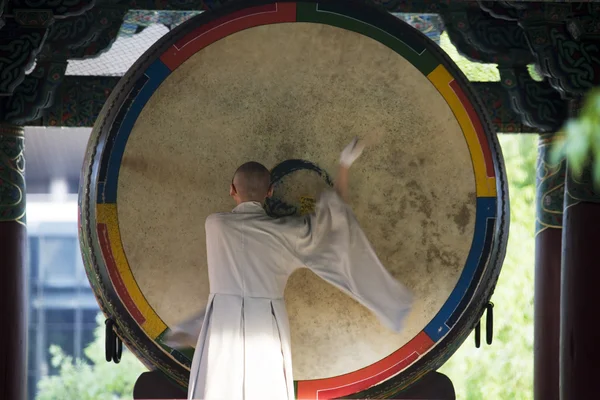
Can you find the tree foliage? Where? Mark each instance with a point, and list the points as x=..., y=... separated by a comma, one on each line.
x=474, y=72
x=91, y=379
x=504, y=370
x=581, y=142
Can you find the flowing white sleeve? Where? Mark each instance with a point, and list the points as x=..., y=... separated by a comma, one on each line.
x=333, y=245
x=186, y=333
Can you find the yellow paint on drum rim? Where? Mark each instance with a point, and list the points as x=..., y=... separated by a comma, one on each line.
x=107, y=214
x=441, y=78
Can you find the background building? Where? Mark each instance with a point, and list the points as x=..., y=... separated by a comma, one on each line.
x=62, y=307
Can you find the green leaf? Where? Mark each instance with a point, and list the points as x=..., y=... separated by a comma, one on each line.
x=483, y=373
x=79, y=379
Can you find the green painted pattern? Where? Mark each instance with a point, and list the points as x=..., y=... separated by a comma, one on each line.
x=424, y=62
x=12, y=175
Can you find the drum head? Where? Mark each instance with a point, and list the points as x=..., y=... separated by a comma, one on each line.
x=289, y=85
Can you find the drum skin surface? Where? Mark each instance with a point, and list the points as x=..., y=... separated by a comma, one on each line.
x=289, y=84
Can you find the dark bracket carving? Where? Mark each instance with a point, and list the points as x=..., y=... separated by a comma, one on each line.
x=497, y=103
x=572, y=65
x=184, y=5
x=35, y=94
x=482, y=38
x=63, y=8
x=564, y=39
x=34, y=18
x=85, y=35
x=80, y=36
x=79, y=100
x=18, y=49
x=538, y=104
x=562, y=36
x=505, y=10
x=412, y=6
x=586, y=20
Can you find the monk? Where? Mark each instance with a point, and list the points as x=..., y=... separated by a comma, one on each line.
x=243, y=349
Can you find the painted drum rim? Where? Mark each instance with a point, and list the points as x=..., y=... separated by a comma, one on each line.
x=104, y=259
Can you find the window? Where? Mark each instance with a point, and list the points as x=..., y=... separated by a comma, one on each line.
x=62, y=308
x=32, y=385
x=64, y=317
x=60, y=331
x=73, y=185
x=57, y=260
x=31, y=348
x=88, y=328
x=33, y=261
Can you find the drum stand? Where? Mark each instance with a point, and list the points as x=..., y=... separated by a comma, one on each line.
x=432, y=386
x=154, y=385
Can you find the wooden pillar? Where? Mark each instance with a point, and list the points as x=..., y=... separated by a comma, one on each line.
x=579, y=346
x=13, y=239
x=549, y=216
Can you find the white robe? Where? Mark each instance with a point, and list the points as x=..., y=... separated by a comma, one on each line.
x=243, y=349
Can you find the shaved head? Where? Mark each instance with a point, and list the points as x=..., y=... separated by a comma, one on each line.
x=252, y=181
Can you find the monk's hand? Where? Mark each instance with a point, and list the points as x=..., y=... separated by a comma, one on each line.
x=351, y=153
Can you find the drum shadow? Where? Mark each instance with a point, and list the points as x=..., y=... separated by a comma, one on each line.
x=161, y=169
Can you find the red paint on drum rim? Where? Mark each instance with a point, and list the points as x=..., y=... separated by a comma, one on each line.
x=365, y=378
x=487, y=155
x=115, y=276
x=209, y=33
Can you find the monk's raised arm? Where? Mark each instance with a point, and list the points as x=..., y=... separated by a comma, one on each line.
x=347, y=158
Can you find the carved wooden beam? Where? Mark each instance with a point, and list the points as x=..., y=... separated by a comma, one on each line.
x=85, y=35
x=493, y=34
x=57, y=38
x=184, y=5
x=55, y=8
x=538, y=103
x=565, y=38
x=497, y=103
x=78, y=101
x=35, y=94
x=482, y=38
x=19, y=46
x=26, y=26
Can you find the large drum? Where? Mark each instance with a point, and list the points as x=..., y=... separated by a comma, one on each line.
x=289, y=84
